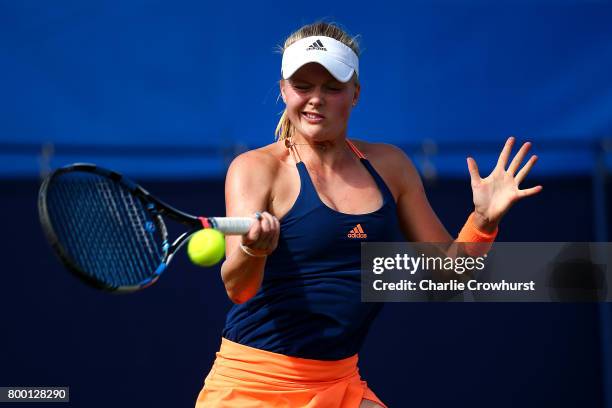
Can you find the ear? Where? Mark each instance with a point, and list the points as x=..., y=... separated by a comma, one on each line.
x=282, y=85
x=356, y=94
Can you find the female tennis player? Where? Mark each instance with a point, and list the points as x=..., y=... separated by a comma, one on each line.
x=292, y=337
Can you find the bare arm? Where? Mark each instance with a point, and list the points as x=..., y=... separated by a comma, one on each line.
x=418, y=221
x=247, y=191
x=493, y=196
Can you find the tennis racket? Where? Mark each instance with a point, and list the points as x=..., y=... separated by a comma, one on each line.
x=111, y=232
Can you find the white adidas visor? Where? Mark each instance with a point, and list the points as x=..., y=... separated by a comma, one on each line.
x=339, y=59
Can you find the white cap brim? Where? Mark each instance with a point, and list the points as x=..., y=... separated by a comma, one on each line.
x=340, y=60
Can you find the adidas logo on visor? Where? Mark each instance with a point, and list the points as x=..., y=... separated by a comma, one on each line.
x=357, y=232
x=317, y=45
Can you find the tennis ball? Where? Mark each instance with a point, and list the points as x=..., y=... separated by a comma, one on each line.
x=206, y=247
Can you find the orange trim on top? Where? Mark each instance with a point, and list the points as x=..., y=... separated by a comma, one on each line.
x=355, y=149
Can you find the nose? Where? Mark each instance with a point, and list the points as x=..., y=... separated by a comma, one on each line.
x=317, y=97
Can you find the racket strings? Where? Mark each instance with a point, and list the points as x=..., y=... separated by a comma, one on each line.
x=105, y=229
x=67, y=230
x=119, y=248
x=79, y=228
x=142, y=232
x=84, y=232
x=132, y=238
x=115, y=262
x=140, y=221
x=149, y=259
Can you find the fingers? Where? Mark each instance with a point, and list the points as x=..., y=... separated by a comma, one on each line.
x=505, y=154
x=518, y=159
x=275, y=231
x=473, y=169
x=530, y=191
x=520, y=176
x=264, y=232
x=265, y=237
x=253, y=232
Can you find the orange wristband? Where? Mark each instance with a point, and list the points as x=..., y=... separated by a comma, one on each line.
x=470, y=233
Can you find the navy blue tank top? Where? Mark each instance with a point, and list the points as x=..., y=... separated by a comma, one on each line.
x=309, y=304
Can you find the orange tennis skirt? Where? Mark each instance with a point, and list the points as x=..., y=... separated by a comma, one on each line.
x=246, y=377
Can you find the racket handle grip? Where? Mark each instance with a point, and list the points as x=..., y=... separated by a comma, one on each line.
x=231, y=225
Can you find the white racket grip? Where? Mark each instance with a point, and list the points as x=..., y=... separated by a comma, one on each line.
x=232, y=225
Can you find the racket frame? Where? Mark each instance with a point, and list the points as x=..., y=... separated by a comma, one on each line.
x=154, y=206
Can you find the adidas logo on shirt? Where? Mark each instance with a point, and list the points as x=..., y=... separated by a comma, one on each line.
x=357, y=232
x=317, y=45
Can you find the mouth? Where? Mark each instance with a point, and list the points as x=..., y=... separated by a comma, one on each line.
x=312, y=117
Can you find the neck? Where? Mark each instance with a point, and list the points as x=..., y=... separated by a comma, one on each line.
x=327, y=153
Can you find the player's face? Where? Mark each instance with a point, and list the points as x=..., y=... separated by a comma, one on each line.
x=318, y=105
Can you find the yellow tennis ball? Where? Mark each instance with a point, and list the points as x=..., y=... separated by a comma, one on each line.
x=206, y=247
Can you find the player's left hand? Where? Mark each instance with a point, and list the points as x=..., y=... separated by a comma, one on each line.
x=494, y=195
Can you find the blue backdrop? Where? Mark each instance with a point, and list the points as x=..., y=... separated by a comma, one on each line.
x=191, y=74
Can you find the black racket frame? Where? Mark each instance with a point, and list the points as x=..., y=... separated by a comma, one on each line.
x=154, y=206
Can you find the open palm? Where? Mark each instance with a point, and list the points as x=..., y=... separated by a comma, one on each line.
x=494, y=195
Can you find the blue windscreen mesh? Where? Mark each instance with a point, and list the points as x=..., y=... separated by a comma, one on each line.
x=113, y=74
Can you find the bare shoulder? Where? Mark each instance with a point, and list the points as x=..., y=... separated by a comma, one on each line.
x=258, y=164
x=381, y=151
x=252, y=180
x=393, y=165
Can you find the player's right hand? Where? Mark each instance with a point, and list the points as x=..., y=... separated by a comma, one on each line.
x=263, y=235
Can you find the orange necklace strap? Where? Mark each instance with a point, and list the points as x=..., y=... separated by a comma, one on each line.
x=296, y=156
x=355, y=149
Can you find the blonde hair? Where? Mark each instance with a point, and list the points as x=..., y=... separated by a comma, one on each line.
x=285, y=128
